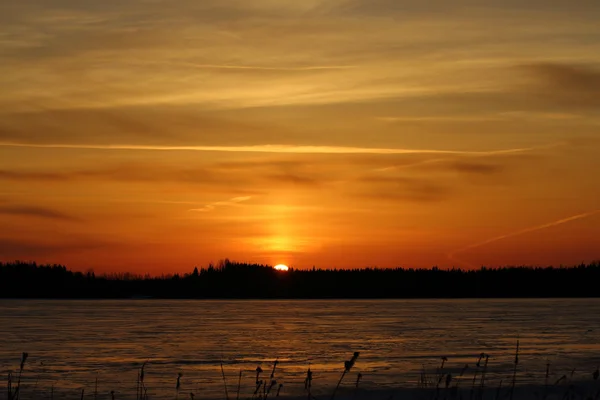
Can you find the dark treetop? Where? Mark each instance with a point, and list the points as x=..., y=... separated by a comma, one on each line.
x=235, y=280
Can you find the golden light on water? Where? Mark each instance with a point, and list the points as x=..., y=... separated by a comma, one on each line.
x=281, y=267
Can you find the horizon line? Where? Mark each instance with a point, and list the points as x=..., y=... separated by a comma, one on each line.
x=224, y=262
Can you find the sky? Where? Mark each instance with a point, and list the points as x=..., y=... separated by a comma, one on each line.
x=151, y=136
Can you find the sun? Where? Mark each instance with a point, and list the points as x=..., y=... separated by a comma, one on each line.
x=281, y=267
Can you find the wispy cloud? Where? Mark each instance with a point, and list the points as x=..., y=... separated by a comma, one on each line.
x=231, y=202
x=397, y=188
x=565, y=76
x=34, y=211
x=569, y=85
x=25, y=248
x=474, y=167
x=273, y=68
x=447, y=164
x=12, y=175
x=276, y=148
x=484, y=117
x=295, y=179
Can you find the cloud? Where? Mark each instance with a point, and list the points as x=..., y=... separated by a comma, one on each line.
x=506, y=116
x=437, y=179
x=477, y=168
x=484, y=166
x=231, y=202
x=239, y=54
x=24, y=249
x=259, y=173
x=412, y=177
x=16, y=175
x=386, y=7
x=448, y=164
x=14, y=248
x=261, y=68
x=148, y=125
x=242, y=178
x=295, y=179
x=565, y=76
x=272, y=148
x=37, y=212
x=566, y=84
x=291, y=131
x=403, y=188
x=139, y=172
x=244, y=165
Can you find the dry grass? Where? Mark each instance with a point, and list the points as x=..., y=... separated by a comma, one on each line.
x=440, y=384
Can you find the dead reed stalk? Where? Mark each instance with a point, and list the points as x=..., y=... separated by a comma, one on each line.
x=514, y=377
x=477, y=365
x=224, y=380
x=347, y=367
x=308, y=382
x=482, y=384
x=237, y=395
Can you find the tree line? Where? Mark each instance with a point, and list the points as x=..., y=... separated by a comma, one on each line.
x=235, y=280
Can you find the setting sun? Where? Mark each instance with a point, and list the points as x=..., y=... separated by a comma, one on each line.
x=281, y=267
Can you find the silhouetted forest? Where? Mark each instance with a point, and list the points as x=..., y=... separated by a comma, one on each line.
x=236, y=280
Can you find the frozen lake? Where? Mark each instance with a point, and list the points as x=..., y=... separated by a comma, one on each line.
x=73, y=343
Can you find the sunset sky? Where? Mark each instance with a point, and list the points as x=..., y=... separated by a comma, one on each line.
x=154, y=135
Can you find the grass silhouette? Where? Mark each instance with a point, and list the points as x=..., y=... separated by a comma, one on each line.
x=431, y=387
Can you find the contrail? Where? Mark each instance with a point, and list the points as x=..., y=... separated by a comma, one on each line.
x=270, y=148
x=488, y=153
x=451, y=256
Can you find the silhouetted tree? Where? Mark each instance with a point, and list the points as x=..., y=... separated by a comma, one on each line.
x=238, y=280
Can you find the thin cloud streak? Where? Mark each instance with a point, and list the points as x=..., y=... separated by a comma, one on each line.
x=275, y=148
x=259, y=68
x=230, y=202
x=411, y=165
x=451, y=256
x=37, y=212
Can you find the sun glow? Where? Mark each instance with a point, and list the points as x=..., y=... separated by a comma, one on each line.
x=281, y=267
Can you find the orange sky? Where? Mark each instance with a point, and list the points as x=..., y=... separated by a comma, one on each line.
x=152, y=136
